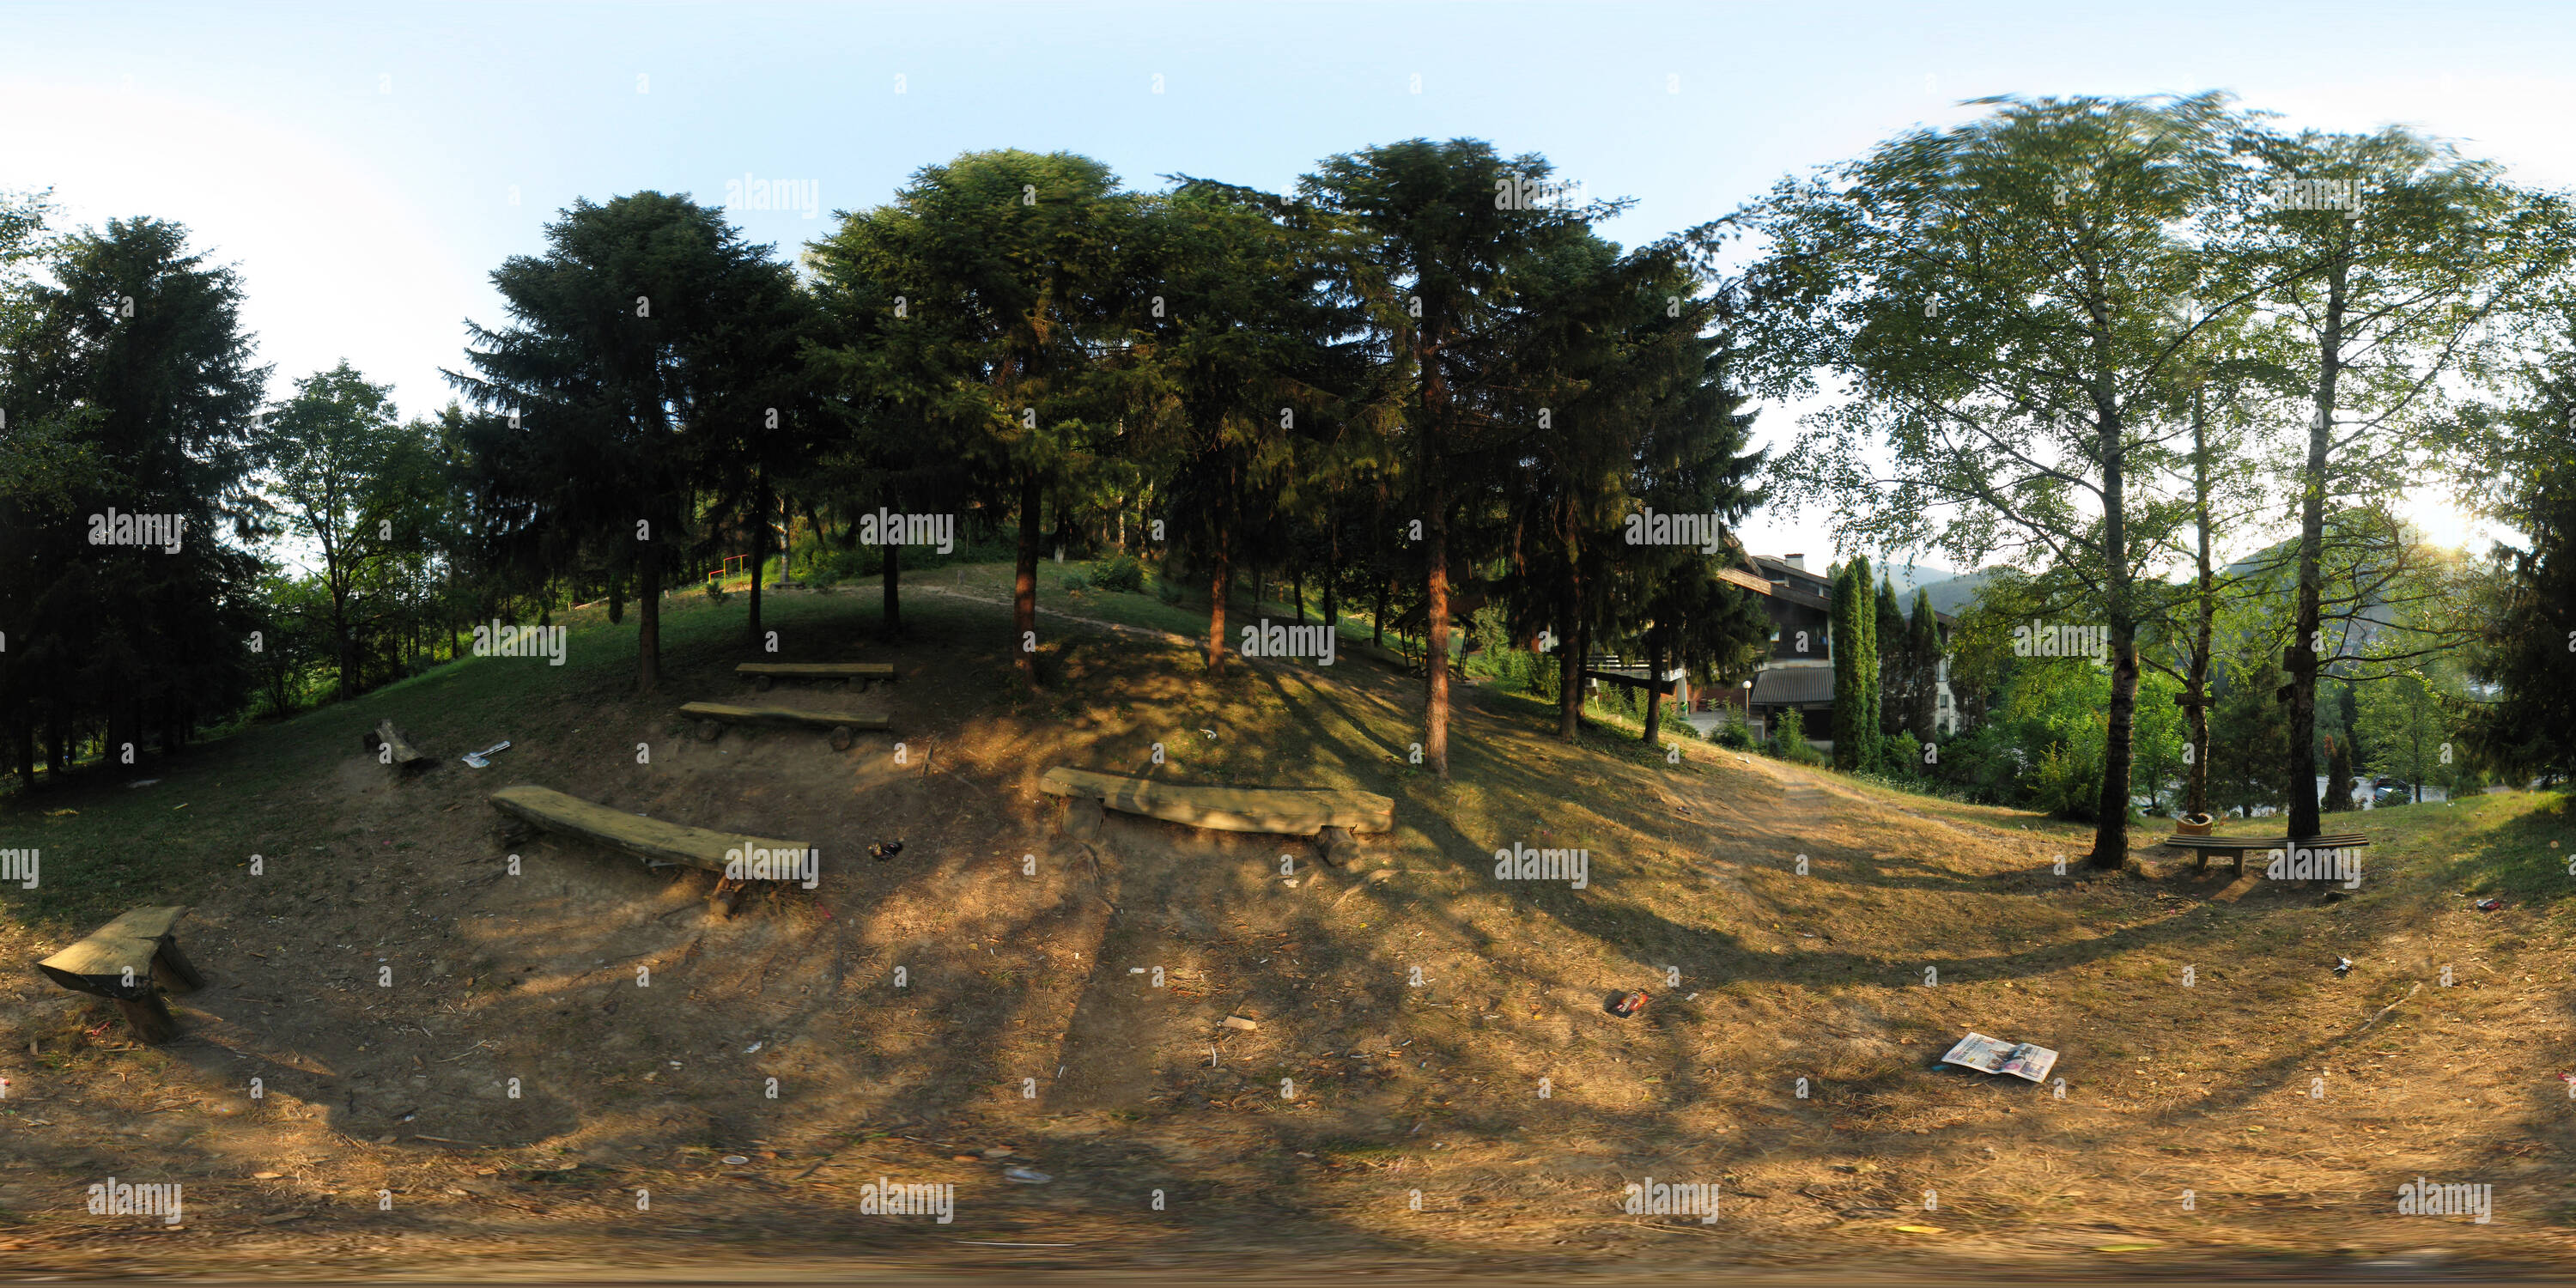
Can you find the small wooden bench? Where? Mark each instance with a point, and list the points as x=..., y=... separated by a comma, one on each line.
x=392, y=747
x=764, y=674
x=1330, y=816
x=2239, y=846
x=650, y=839
x=122, y=960
x=712, y=717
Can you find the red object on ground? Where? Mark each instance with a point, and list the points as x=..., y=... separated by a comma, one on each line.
x=1632, y=1003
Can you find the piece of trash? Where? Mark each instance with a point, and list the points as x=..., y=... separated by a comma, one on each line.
x=884, y=850
x=2488, y=905
x=997, y=1151
x=1238, y=1022
x=266, y=1176
x=753, y=1047
x=477, y=758
x=1922, y=1229
x=1211, y=733
x=1135, y=970
x=1026, y=1176
x=735, y=1160
x=2343, y=966
x=1986, y=1055
x=143, y=782
x=1629, y=1005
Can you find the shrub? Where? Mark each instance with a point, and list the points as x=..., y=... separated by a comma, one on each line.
x=1120, y=572
x=2068, y=784
x=1731, y=732
x=1167, y=592
x=1074, y=582
x=715, y=590
x=1789, y=739
x=1904, y=754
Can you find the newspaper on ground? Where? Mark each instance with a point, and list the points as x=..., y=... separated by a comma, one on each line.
x=1986, y=1055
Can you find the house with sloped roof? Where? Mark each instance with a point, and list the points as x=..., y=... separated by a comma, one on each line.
x=1797, y=672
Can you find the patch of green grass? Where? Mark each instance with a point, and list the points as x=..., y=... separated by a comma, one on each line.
x=107, y=846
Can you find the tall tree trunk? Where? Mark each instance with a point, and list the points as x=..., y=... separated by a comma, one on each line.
x=890, y=587
x=1569, y=628
x=2196, y=694
x=1297, y=585
x=1024, y=588
x=759, y=551
x=1333, y=576
x=648, y=622
x=1435, y=631
x=1222, y=586
x=2111, y=829
x=1652, y=737
x=2303, y=664
x=1435, y=602
x=1377, y=621
x=22, y=745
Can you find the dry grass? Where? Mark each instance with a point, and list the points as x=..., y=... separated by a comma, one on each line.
x=1018, y=982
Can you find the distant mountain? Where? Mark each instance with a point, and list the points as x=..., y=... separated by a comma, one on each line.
x=1954, y=594
x=1908, y=578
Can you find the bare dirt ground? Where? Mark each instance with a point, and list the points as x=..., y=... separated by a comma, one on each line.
x=988, y=1000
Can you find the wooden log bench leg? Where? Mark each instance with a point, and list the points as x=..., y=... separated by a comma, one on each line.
x=1337, y=846
x=173, y=967
x=727, y=897
x=150, y=1017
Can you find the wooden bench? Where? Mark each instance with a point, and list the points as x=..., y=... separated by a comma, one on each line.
x=650, y=839
x=1330, y=816
x=2239, y=846
x=393, y=748
x=712, y=717
x=121, y=960
x=764, y=674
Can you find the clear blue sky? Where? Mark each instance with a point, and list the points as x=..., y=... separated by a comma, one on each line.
x=357, y=163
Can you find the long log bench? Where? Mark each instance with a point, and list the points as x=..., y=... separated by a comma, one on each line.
x=713, y=716
x=2237, y=847
x=649, y=839
x=764, y=674
x=1329, y=815
x=393, y=747
x=123, y=960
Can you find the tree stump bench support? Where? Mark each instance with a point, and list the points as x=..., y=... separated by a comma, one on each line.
x=764, y=674
x=1329, y=816
x=2237, y=847
x=123, y=960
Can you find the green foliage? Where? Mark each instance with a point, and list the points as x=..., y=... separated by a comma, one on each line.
x=1121, y=572
x=1855, y=645
x=1789, y=739
x=1074, y=582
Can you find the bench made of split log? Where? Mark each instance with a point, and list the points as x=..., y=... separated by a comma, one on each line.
x=391, y=746
x=1289, y=811
x=649, y=839
x=121, y=960
x=2239, y=846
x=712, y=717
x=763, y=674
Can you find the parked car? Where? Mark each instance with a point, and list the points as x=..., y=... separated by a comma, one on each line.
x=2389, y=791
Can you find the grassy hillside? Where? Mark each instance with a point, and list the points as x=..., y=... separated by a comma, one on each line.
x=1409, y=1008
